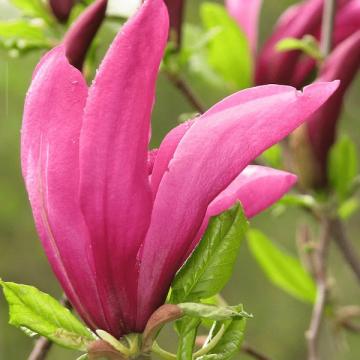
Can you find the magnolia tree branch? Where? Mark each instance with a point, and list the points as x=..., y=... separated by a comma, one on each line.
x=43, y=345
x=328, y=26
x=320, y=254
x=186, y=90
x=320, y=258
x=345, y=246
x=247, y=349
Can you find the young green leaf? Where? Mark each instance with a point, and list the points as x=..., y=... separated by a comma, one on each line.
x=210, y=266
x=215, y=313
x=194, y=55
x=297, y=200
x=22, y=35
x=343, y=166
x=348, y=208
x=273, y=156
x=231, y=341
x=308, y=45
x=42, y=314
x=34, y=8
x=282, y=269
x=229, y=52
x=187, y=329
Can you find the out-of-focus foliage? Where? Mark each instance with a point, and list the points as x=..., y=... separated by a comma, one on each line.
x=284, y=270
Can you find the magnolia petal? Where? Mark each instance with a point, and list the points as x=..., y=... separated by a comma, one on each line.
x=208, y=158
x=166, y=152
x=347, y=21
x=115, y=193
x=61, y=8
x=49, y=155
x=256, y=187
x=342, y=64
x=172, y=139
x=78, y=39
x=246, y=13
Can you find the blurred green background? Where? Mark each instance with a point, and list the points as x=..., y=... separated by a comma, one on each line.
x=280, y=321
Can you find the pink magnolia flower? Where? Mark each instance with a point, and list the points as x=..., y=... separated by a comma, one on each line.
x=61, y=8
x=342, y=64
x=117, y=221
x=302, y=19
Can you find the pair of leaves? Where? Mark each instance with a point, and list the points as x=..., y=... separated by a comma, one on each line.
x=282, y=269
x=204, y=275
x=230, y=343
x=211, y=264
x=225, y=339
x=38, y=313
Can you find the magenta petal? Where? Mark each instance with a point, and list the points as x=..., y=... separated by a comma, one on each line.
x=49, y=155
x=208, y=158
x=343, y=64
x=61, y=8
x=256, y=187
x=246, y=13
x=82, y=32
x=166, y=152
x=115, y=192
x=347, y=21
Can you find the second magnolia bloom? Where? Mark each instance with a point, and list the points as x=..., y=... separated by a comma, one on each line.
x=116, y=220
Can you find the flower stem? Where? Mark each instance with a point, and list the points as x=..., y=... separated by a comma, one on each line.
x=247, y=349
x=43, y=345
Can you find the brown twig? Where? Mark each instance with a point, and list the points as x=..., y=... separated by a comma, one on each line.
x=247, y=349
x=345, y=246
x=313, y=333
x=328, y=26
x=43, y=345
x=187, y=92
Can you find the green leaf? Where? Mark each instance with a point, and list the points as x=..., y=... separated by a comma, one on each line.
x=212, y=312
x=33, y=8
x=343, y=166
x=229, y=52
x=348, y=208
x=187, y=329
x=308, y=45
x=210, y=266
x=273, y=156
x=230, y=343
x=297, y=200
x=194, y=55
x=22, y=35
x=283, y=270
x=42, y=314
